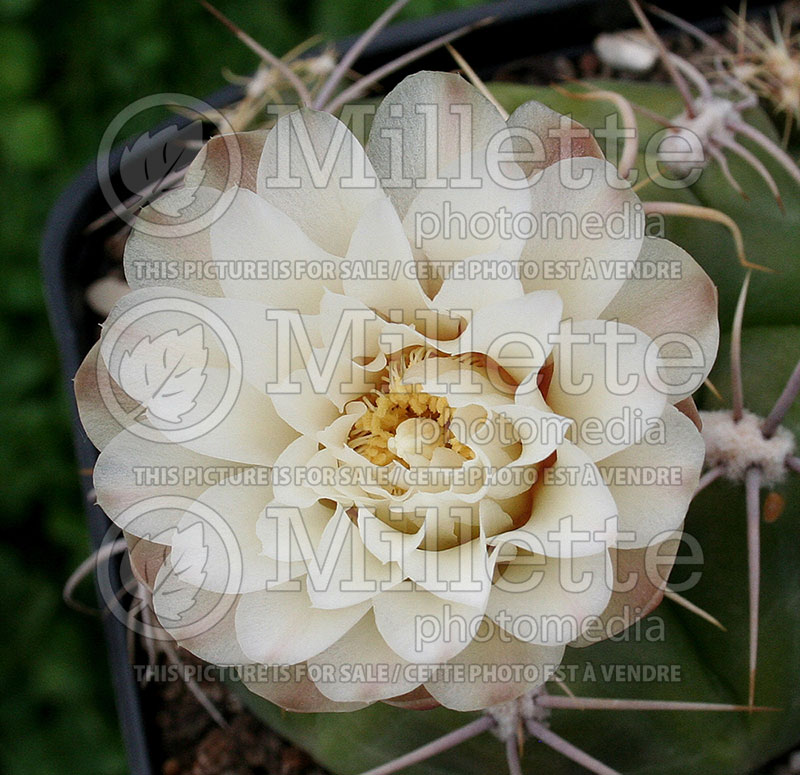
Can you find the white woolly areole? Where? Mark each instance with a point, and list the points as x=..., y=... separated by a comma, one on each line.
x=737, y=446
x=509, y=715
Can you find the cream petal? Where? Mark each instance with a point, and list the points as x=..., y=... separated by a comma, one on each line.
x=487, y=432
x=302, y=404
x=351, y=380
x=252, y=431
x=216, y=545
x=171, y=246
x=200, y=621
x=640, y=577
x=540, y=432
x=600, y=381
x=354, y=477
x=450, y=224
x=542, y=137
x=427, y=104
x=316, y=172
x=382, y=265
x=280, y=626
x=347, y=324
x=494, y=519
x=144, y=485
x=547, y=600
x=227, y=160
x=177, y=355
x=365, y=669
x=100, y=424
x=343, y=572
x=460, y=385
x=447, y=517
x=386, y=542
x=680, y=308
x=295, y=692
x=480, y=686
x=292, y=464
x=235, y=333
x=422, y=627
x=467, y=294
x=573, y=512
x=312, y=397
x=649, y=508
x=515, y=334
x=290, y=534
x=356, y=480
x=262, y=255
x=461, y=574
x=598, y=228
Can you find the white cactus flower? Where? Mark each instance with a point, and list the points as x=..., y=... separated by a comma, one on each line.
x=414, y=446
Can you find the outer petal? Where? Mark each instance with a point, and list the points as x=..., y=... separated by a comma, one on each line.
x=387, y=543
x=214, y=541
x=235, y=332
x=204, y=343
x=365, y=669
x=252, y=432
x=683, y=303
x=100, y=425
x=573, y=513
x=295, y=692
x=201, y=621
x=130, y=473
x=531, y=666
x=653, y=483
x=291, y=534
x=464, y=119
x=546, y=600
x=146, y=559
x=263, y=255
x=599, y=229
x=464, y=292
x=448, y=224
x=382, y=266
x=515, y=334
x=280, y=626
x=314, y=170
x=217, y=164
x=601, y=381
x=461, y=574
x=422, y=627
x=640, y=577
x=177, y=254
x=560, y=137
x=345, y=572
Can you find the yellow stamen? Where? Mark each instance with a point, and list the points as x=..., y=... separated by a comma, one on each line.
x=387, y=409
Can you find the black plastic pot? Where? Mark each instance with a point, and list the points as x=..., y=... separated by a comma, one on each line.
x=71, y=259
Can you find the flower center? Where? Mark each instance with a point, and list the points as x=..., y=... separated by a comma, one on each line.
x=402, y=422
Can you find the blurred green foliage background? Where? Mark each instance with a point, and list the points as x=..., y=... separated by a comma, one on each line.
x=66, y=69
